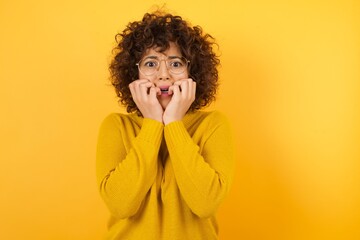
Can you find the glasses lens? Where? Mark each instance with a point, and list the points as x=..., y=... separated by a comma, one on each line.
x=148, y=66
x=177, y=65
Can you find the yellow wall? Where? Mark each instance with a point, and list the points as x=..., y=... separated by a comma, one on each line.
x=290, y=84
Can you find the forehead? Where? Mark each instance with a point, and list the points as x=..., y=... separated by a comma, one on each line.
x=173, y=50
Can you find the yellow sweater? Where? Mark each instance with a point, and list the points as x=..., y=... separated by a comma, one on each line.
x=164, y=182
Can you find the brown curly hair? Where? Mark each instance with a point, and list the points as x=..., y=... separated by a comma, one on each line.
x=157, y=30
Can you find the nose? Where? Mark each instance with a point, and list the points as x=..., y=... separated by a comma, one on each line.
x=163, y=73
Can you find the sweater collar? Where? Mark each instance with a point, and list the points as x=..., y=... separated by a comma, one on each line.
x=188, y=119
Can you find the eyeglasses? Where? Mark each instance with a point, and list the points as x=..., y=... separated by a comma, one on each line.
x=150, y=65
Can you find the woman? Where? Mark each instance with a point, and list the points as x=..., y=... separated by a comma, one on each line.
x=164, y=168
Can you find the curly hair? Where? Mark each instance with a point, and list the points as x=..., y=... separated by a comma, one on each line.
x=158, y=29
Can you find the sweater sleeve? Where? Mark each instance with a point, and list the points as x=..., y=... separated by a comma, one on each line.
x=203, y=178
x=125, y=175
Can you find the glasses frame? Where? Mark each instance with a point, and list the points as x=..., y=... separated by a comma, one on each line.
x=166, y=64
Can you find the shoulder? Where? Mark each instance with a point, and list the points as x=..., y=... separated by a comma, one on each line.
x=119, y=119
x=217, y=115
x=113, y=118
x=211, y=117
x=207, y=121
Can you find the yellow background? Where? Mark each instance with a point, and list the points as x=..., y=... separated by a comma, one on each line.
x=290, y=85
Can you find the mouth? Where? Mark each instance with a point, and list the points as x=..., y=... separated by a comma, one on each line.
x=164, y=90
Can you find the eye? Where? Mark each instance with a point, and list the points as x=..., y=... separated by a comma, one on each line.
x=150, y=64
x=176, y=64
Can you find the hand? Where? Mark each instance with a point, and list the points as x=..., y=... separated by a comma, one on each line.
x=183, y=95
x=145, y=94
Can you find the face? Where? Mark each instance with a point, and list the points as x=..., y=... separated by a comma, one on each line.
x=164, y=77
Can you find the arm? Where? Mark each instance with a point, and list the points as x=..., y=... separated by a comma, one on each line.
x=125, y=175
x=203, y=177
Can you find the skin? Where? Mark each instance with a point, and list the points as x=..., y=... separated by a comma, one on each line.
x=165, y=108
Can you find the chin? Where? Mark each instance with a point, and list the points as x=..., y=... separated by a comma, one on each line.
x=164, y=105
x=164, y=102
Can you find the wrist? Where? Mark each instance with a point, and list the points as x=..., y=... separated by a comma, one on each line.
x=157, y=117
x=168, y=120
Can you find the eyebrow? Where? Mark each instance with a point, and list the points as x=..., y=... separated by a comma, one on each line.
x=156, y=57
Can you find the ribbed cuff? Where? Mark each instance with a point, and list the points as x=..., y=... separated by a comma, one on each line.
x=151, y=131
x=176, y=135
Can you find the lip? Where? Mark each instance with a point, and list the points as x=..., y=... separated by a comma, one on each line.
x=164, y=90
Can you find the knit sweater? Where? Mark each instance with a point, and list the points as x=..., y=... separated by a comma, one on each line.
x=164, y=182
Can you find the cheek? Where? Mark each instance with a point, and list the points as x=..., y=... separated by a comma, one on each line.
x=141, y=76
x=150, y=78
x=182, y=76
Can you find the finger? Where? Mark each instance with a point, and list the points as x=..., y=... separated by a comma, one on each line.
x=184, y=87
x=134, y=86
x=144, y=88
x=176, y=91
x=158, y=90
x=194, y=89
x=146, y=84
x=152, y=93
x=171, y=89
x=142, y=80
x=179, y=83
x=132, y=91
x=189, y=85
x=139, y=81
